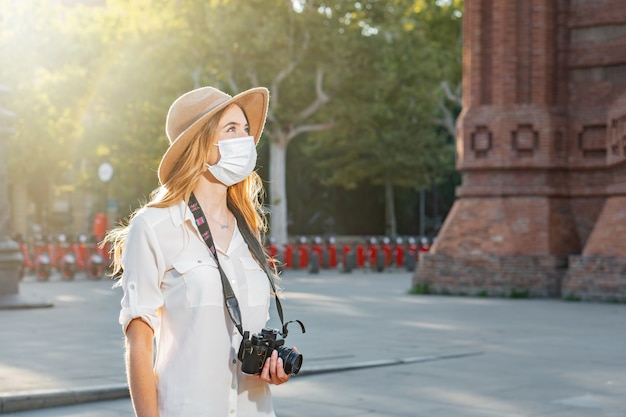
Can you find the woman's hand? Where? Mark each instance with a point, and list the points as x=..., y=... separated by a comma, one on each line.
x=273, y=371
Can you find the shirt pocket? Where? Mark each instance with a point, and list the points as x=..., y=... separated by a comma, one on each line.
x=258, y=283
x=203, y=286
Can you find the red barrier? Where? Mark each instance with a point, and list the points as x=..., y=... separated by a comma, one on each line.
x=100, y=224
x=399, y=255
x=344, y=252
x=318, y=249
x=28, y=263
x=360, y=256
x=78, y=249
x=413, y=250
x=371, y=252
x=387, y=250
x=272, y=250
x=332, y=256
x=288, y=256
x=304, y=256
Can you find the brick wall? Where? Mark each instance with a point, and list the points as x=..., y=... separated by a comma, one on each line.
x=541, y=150
x=595, y=278
x=492, y=275
x=513, y=225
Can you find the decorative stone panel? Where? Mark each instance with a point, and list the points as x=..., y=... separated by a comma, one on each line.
x=592, y=141
x=481, y=141
x=617, y=138
x=524, y=140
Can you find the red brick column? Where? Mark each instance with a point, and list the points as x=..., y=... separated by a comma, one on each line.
x=542, y=152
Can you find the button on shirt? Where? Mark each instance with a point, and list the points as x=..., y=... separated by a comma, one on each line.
x=171, y=282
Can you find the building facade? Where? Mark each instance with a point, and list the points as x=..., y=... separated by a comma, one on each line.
x=542, y=151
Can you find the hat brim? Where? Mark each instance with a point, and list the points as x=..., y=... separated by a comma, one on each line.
x=254, y=103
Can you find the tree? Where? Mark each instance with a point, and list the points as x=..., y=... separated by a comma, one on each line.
x=287, y=55
x=215, y=44
x=387, y=107
x=105, y=77
x=47, y=71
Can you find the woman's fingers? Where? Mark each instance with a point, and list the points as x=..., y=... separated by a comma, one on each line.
x=265, y=372
x=273, y=371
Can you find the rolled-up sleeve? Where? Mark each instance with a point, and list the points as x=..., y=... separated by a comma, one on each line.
x=142, y=261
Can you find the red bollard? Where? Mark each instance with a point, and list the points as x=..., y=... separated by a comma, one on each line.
x=360, y=256
x=304, y=256
x=288, y=256
x=399, y=255
x=413, y=250
x=344, y=252
x=83, y=252
x=387, y=250
x=332, y=256
x=318, y=249
x=28, y=263
x=103, y=250
x=100, y=225
x=272, y=250
x=371, y=252
x=78, y=255
x=51, y=253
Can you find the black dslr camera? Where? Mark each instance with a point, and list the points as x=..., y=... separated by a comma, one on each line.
x=254, y=351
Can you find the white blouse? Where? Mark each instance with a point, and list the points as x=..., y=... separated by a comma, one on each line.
x=171, y=282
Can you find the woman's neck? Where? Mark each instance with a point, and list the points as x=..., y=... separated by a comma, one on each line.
x=212, y=197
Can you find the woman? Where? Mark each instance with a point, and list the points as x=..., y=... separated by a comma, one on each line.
x=172, y=288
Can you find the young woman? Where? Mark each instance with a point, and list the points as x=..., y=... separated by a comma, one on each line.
x=173, y=295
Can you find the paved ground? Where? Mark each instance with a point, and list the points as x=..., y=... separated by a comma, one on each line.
x=464, y=357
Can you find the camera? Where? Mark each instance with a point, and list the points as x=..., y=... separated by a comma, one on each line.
x=254, y=351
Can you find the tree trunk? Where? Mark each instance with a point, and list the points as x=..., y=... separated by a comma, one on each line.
x=422, y=194
x=278, y=192
x=390, y=211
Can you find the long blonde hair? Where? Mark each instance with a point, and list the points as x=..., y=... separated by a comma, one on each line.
x=245, y=196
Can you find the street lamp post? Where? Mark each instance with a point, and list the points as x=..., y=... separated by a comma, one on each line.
x=105, y=173
x=10, y=255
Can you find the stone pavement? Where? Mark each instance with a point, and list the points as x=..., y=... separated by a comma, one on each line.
x=436, y=356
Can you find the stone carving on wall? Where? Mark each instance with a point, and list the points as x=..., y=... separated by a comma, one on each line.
x=592, y=141
x=524, y=140
x=481, y=141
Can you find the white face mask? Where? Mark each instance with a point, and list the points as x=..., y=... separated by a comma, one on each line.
x=237, y=160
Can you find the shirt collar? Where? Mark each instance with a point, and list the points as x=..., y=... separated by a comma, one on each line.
x=181, y=213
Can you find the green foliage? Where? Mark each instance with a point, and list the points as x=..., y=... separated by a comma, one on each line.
x=515, y=293
x=421, y=288
x=48, y=77
x=93, y=84
x=387, y=104
x=572, y=297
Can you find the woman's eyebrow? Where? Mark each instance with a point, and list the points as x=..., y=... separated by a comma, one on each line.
x=234, y=124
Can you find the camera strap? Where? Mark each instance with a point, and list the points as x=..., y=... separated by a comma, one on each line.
x=230, y=300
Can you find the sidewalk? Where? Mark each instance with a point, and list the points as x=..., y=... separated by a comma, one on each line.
x=437, y=356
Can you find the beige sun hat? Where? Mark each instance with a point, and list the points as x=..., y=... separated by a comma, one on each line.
x=192, y=110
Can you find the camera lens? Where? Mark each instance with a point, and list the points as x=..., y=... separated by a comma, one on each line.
x=292, y=360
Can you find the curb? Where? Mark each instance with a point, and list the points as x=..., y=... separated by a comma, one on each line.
x=12, y=402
